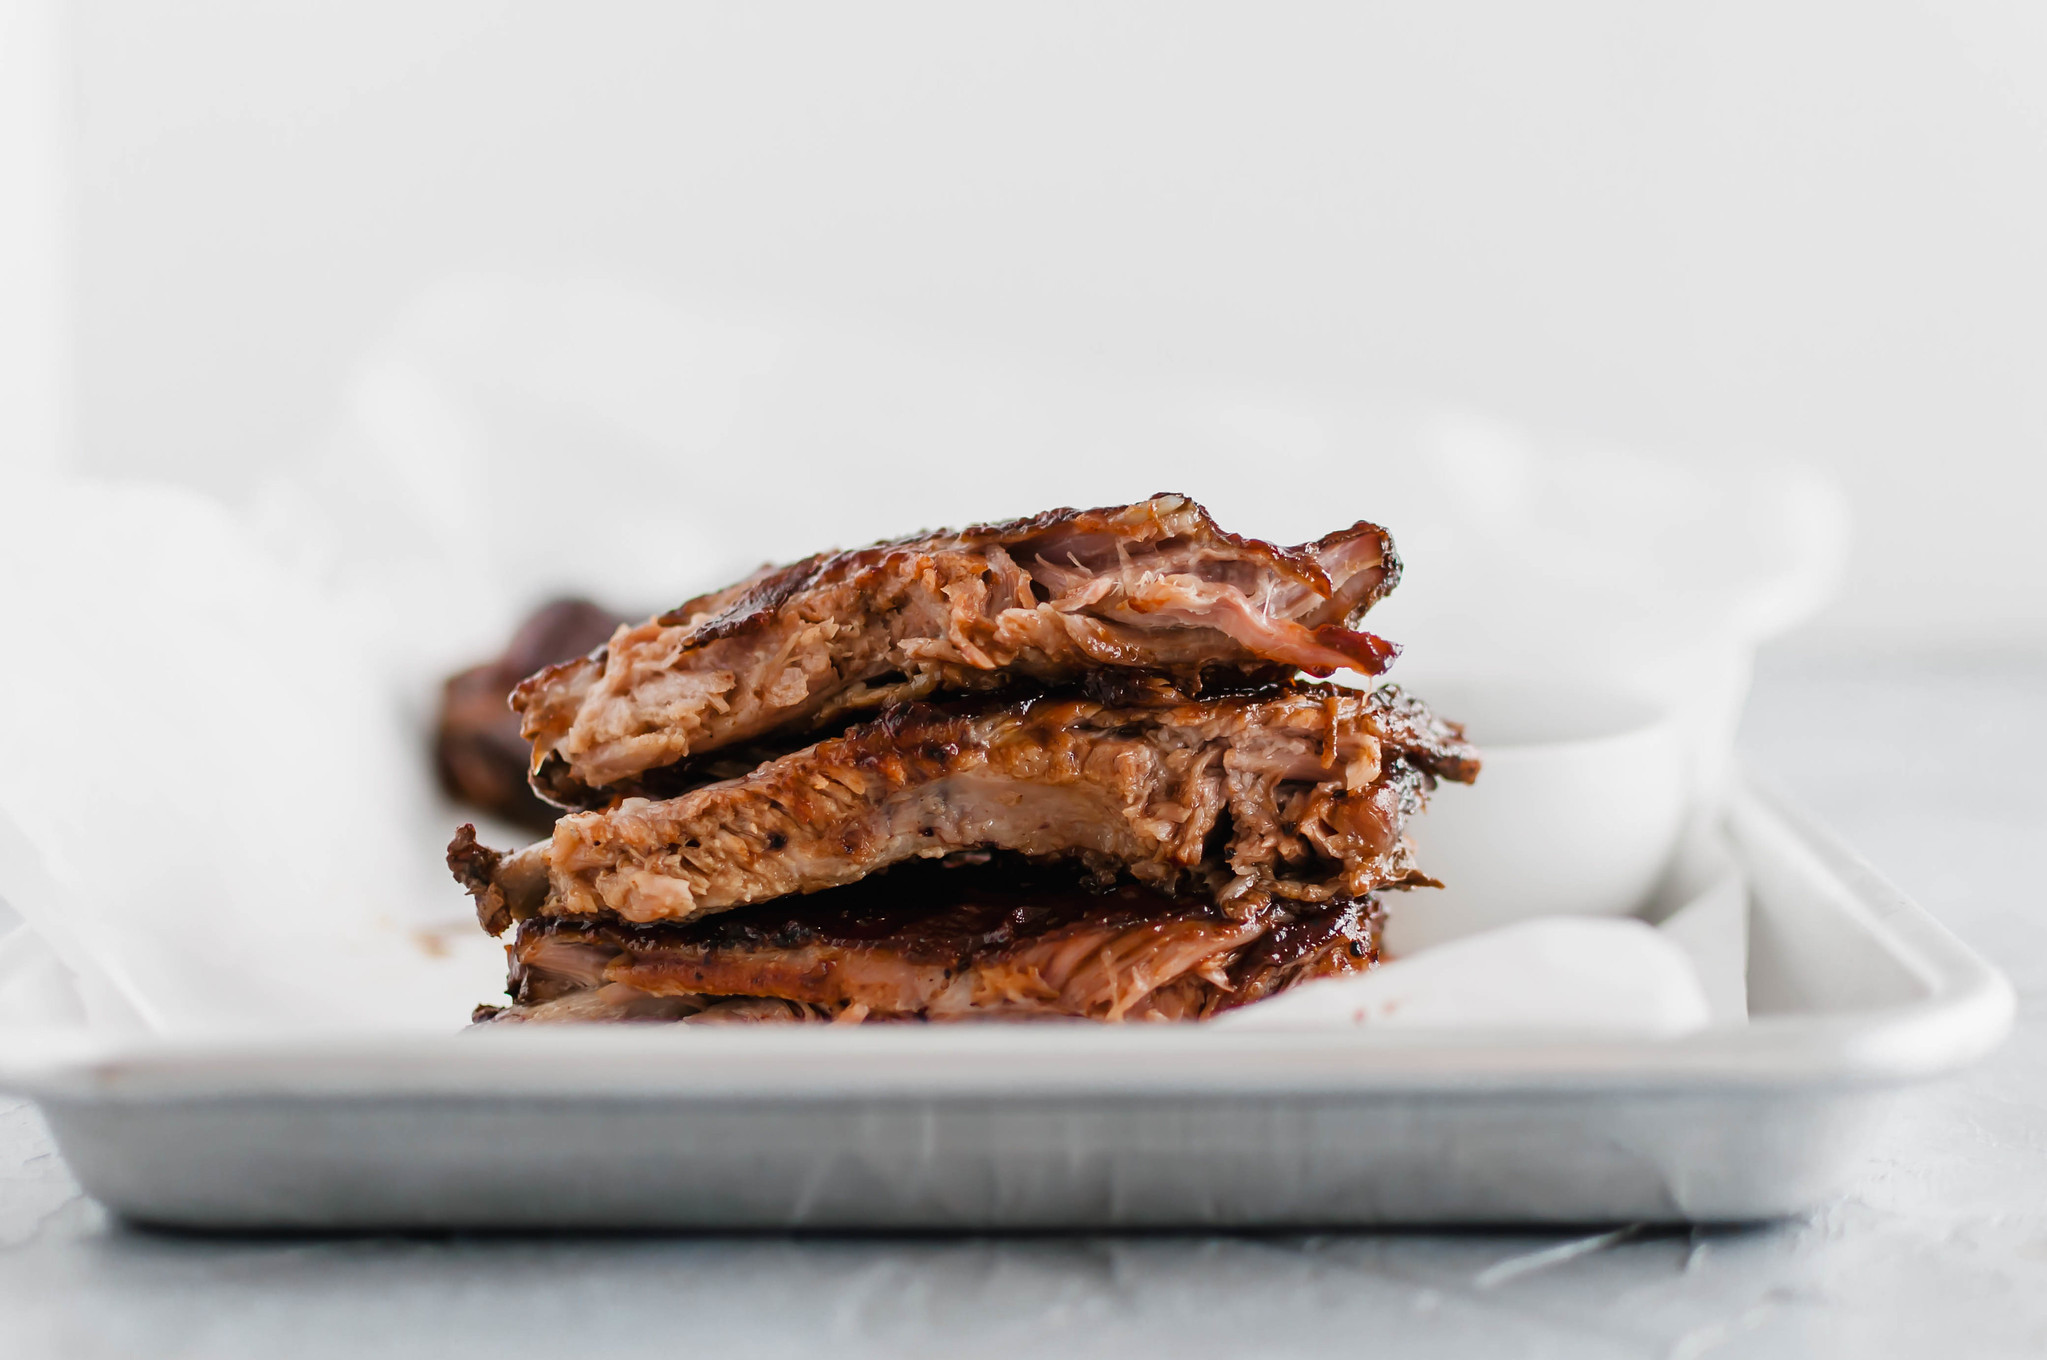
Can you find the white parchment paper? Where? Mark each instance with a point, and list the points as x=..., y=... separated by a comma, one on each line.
x=208, y=803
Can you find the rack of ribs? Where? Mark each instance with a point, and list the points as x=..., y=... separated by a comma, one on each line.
x=1062, y=766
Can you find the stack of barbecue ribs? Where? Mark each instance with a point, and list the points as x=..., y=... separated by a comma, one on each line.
x=1064, y=766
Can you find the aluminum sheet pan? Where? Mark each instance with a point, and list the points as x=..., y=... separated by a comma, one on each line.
x=1856, y=996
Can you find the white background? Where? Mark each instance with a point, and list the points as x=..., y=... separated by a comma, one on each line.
x=1796, y=228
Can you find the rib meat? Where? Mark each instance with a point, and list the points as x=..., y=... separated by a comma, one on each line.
x=1152, y=587
x=1298, y=792
x=937, y=943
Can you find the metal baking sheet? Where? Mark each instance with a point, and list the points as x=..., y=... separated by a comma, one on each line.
x=1856, y=996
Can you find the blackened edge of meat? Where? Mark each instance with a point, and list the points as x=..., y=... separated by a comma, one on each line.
x=1434, y=744
x=768, y=591
x=475, y=867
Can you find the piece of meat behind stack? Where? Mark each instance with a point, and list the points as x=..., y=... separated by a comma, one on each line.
x=1064, y=766
x=478, y=752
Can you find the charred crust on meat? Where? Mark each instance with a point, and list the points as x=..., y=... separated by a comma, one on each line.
x=506, y=888
x=753, y=608
x=1298, y=562
x=475, y=867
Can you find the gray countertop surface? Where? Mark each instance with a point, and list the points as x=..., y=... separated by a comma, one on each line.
x=1931, y=770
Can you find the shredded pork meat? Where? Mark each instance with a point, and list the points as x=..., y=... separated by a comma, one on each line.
x=1298, y=792
x=1154, y=587
x=1061, y=767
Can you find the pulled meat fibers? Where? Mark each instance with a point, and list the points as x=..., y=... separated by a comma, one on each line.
x=1299, y=792
x=1154, y=587
x=1061, y=766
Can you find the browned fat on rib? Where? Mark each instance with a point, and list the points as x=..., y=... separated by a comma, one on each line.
x=1154, y=586
x=1297, y=793
x=935, y=943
